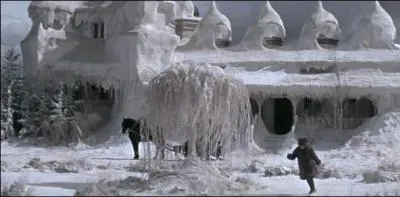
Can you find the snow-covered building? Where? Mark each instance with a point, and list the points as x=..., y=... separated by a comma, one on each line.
x=324, y=81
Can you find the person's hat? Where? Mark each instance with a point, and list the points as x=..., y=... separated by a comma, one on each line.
x=302, y=141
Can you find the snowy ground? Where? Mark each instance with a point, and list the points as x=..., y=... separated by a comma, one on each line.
x=367, y=164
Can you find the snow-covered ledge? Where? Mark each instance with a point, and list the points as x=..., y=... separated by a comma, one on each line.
x=295, y=61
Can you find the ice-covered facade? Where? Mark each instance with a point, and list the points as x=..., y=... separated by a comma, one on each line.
x=335, y=86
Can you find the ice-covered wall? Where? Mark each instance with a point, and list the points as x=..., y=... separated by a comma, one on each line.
x=320, y=23
x=268, y=25
x=49, y=18
x=168, y=8
x=374, y=30
x=137, y=44
x=119, y=17
x=212, y=27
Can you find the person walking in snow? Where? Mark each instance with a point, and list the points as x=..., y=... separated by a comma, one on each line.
x=307, y=161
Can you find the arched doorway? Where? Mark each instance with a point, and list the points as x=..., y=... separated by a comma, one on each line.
x=355, y=111
x=278, y=115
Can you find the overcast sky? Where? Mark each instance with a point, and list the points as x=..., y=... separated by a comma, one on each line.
x=243, y=13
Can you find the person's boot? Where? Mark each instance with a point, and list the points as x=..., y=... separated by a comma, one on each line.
x=312, y=186
x=136, y=157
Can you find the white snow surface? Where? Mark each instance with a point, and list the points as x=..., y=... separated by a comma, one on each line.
x=374, y=29
x=214, y=25
x=107, y=169
x=321, y=22
x=268, y=24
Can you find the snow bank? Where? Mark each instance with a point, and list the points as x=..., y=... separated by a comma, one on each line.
x=320, y=23
x=60, y=167
x=193, y=177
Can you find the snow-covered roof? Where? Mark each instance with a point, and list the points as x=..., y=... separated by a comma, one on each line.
x=320, y=22
x=374, y=30
x=364, y=82
x=268, y=24
x=205, y=33
x=64, y=5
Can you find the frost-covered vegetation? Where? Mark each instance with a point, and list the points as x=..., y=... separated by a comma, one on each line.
x=60, y=114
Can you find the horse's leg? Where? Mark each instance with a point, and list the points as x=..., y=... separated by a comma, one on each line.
x=186, y=148
x=135, y=144
x=162, y=145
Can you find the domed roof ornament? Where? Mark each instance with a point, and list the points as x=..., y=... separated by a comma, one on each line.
x=374, y=30
x=268, y=29
x=213, y=29
x=320, y=26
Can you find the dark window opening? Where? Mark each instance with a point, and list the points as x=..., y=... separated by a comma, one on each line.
x=95, y=30
x=317, y=70
x=222, y=43
x=278, y=115
x=327, y=43
x=98, y=30
x=272, y=42
x=101, y=30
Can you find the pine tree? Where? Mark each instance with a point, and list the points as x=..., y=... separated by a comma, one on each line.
x=12, y=111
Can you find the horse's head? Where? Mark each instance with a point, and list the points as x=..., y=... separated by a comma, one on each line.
x=129, y=123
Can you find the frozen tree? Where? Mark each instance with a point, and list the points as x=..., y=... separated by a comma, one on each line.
x=51, y=115
x=12, y=110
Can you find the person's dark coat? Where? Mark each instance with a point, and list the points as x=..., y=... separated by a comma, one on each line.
x=307, y=161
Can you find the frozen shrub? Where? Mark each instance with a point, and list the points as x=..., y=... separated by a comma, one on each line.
x=254, y=166
x=278, y=171
x=15, y=189
x=60, y=167
x=387, y=171
x=3, y=166
x=325, y=173
x=378, y=176
x=128, y=186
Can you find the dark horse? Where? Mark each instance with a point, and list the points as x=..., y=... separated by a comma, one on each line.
x=137, y=135
x=138, y=132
